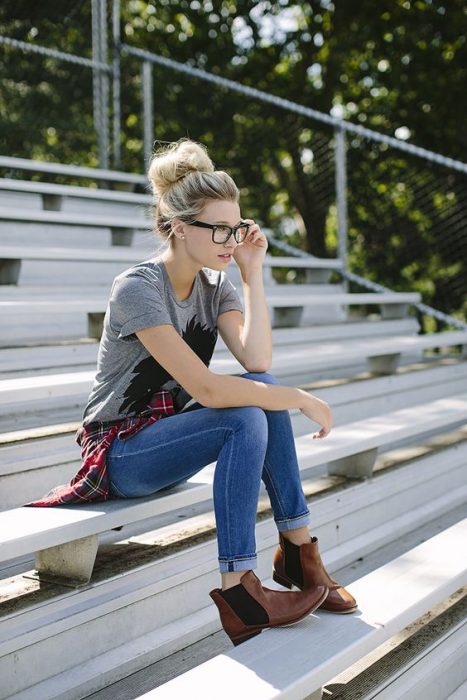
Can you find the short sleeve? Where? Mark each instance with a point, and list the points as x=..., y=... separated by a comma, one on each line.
x=229, y=298
x=136, y=302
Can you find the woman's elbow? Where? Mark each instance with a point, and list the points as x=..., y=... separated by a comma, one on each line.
x=263, y=366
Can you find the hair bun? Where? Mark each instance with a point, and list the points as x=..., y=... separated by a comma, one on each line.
x=172, y=163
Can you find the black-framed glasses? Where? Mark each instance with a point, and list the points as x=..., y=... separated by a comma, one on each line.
x=221, y=232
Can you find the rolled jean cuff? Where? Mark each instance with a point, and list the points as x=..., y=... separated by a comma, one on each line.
x=293, y=523
x=237, y=564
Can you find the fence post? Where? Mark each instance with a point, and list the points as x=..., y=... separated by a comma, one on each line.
x=100, y=80
x=341, y=195
x=117, y=156
x=148, y=116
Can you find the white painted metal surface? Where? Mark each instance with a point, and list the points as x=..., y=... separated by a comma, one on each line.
x=291, y=664
x=160, y=607
x=147, y=611
x=11, y=185
x=53, y=356
x=73, y=219
x=285, y=359
x=27, y=530
x=12, y=308
x=435, y=675
x=130, y=254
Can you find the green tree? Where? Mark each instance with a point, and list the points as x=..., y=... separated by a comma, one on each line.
x=397, y=67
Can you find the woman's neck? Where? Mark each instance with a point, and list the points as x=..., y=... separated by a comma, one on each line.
x=181, y=274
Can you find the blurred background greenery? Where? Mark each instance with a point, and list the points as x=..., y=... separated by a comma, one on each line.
x=397, y=67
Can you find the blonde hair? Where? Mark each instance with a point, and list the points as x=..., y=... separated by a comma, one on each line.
x=183, y=179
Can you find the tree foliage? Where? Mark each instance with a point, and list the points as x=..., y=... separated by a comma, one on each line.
x=396, y=67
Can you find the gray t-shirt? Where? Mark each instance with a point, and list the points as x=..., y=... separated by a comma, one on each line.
x=142, y=296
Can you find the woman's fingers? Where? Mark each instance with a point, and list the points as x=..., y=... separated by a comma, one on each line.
x=255, y=234
x=322, y=433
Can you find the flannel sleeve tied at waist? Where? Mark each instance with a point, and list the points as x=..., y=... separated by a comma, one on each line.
x=91, y=483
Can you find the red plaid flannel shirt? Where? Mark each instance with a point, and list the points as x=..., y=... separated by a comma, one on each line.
x=91, y=483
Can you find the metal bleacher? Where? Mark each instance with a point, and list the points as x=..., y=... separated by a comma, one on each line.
x=123, y=586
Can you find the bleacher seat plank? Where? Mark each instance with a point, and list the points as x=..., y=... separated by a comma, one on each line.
x=12, y=307
x=24, y=531
x=134, y=255
x=72, y=219
x=56, y=448
x=53, y=356
x=12, y=185
x=285, y=360
x=295, y=662
x=98, y=174
x=114, y=254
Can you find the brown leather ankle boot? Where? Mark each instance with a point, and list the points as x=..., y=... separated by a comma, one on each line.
x=301, y=566
x=248, y=608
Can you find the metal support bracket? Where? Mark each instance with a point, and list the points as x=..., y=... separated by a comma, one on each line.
x=9, y=270
x=52, y=202
x=317, y=695
x=69, y=564
x=317, y=276
x=287, y=316
x=383, y=364
x=122, y=236
x=95, y=324
x=390, y=311
x=354, y=466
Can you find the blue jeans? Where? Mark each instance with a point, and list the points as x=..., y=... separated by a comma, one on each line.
x=248, y=444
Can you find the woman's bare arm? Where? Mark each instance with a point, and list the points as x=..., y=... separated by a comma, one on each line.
x=223, y=391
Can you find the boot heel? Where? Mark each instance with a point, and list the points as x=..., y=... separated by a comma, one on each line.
x=282, y=581
x=243, y=638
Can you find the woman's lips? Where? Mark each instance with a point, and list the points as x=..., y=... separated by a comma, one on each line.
x=225, y=257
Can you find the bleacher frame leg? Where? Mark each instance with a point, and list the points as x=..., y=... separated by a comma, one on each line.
x=287, y=316
x=390, y=311
x=68, y=564
x=317, y=276
x=354, y=466
x=95, y=324
x=122, y=236
x=9, y=271
x=52, y=202
x=317, y=695
x=383, y=364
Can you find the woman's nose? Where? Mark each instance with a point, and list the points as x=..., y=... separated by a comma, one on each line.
x=231, y=242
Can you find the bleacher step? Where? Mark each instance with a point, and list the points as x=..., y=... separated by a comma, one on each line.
x=426, y=661
x=104, y=673
x=30, y=468
x=393, y=596
x=179, y=528
x=287, y=364
x=422, y=381
x=349, y=522
x=43, y=357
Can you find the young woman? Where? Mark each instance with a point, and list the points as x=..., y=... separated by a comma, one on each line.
x=160, y=330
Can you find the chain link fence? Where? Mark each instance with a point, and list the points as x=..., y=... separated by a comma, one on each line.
x=410, y=213
x=394, y=212
x=54, y=104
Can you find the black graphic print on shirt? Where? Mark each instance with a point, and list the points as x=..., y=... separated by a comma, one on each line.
x=150, y=376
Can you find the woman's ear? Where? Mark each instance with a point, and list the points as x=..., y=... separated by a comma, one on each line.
x=177, y=228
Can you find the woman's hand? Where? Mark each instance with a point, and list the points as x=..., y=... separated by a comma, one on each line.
x=249, y=255
x=320, y=412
